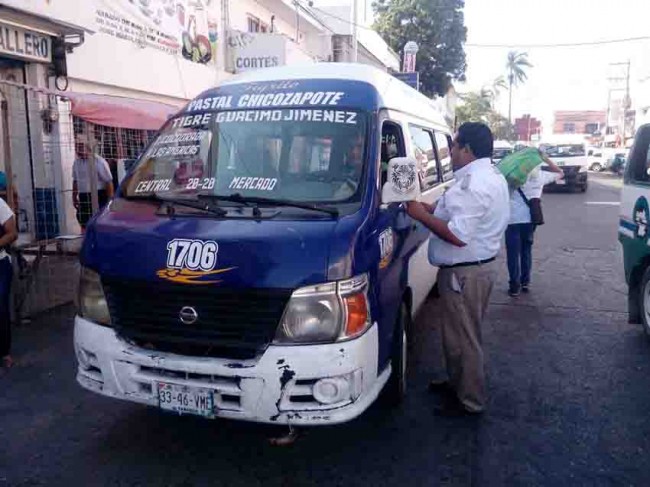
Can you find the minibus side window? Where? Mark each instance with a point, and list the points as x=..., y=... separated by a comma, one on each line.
x=443, y=146
x=425, y=155
x=392, y=145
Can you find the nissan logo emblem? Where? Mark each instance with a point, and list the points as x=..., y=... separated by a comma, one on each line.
x=188, y=315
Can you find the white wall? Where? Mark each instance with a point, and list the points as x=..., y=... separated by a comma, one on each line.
x=339, y=20
x=313, y=41
x=106, y=61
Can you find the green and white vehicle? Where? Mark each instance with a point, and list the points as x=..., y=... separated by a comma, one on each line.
x=633, y=231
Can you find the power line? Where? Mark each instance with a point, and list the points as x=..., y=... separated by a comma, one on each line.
x=308, y=11
x=347, y=21
x=563, y=44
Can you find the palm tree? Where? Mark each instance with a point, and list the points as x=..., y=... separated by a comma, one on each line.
x=516, y=67
x=498, y=85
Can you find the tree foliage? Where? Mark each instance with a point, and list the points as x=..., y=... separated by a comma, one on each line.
x=438, y=27
x=479, y=107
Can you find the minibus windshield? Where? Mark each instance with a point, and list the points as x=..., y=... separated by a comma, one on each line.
x=302, y=155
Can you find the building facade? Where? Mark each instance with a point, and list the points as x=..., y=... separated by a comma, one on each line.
x=160, y=52
x=527, y=128
x=579, y=122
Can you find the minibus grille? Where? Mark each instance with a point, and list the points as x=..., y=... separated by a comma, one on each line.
x=230, y=323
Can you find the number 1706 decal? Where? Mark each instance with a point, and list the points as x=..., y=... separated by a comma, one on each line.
x=192, y=254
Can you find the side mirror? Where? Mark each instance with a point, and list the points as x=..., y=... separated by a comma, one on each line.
x=403, y=183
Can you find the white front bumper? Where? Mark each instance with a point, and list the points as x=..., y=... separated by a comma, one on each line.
x=274, y=388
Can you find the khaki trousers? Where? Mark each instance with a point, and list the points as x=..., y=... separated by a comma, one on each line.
x=464, y=296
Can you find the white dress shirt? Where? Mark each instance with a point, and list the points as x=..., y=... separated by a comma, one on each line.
x=532, y=188
x=81, y=170
x=477, y=208
x=5, y=215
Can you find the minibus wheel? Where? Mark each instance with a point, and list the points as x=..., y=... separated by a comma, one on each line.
x=644, y=300
x=395, y=388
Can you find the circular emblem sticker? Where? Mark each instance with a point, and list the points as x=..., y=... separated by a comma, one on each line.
x=403, y=178
x=641, y=215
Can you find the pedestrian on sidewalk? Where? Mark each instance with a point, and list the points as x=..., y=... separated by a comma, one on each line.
x=523, y=221
x=467, y=226
x=81, y=195
x=8, y=235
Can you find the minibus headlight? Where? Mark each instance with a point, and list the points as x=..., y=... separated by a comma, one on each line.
x=91, y=301
x=326, y=312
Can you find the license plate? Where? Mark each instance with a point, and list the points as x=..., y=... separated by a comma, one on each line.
x=185, y=399
x=560, y=182
x=559, y=163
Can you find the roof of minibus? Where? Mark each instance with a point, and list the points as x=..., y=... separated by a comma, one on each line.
x=389, y=93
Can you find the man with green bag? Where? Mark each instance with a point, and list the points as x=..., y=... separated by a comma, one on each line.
x=525, y=216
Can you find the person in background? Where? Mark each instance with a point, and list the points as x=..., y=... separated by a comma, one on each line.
x=81, y=197
x=520, y=231
x=351, y=169
x=467, y=227
x=8, y=235
x=4, y=192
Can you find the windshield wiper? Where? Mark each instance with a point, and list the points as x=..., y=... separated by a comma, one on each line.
x=258, y=200
x=172, y=202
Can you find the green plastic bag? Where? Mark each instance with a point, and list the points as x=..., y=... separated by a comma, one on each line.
x=517, y=166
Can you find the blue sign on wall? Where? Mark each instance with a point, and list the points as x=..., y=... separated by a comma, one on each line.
x=411, y=79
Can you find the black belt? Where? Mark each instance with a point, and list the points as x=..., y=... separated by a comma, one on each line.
x=468, y=264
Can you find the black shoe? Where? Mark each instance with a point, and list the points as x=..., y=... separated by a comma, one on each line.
x=440, y=386
x=513, y=292
x=524, y=288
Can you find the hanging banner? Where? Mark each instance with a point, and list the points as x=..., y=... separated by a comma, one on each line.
x=410, y=51
x=186, y=28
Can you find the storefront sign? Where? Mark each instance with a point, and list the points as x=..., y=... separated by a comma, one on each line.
x=256, y=51
x=24, y=44
x=411, y=79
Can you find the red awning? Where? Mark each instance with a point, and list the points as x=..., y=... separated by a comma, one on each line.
x=116, y=111
x=112, y=111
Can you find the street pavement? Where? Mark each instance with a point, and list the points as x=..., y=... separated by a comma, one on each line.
x=567, y=376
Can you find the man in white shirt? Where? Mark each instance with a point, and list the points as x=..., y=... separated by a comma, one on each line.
x=81, y=196
x=520, y=231
x=467, y=226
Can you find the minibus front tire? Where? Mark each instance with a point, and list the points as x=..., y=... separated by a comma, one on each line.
x=395, y=389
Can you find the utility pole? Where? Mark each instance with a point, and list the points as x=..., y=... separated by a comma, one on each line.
x=225, y=35
x=355, y=37
x=625, y=106
x=297, y=5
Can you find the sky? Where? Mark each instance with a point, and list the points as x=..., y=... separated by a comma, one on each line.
x=573, y=78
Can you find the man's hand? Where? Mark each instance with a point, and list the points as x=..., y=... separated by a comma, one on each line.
x=75, y=201
x=429, y=207
x=417, y=210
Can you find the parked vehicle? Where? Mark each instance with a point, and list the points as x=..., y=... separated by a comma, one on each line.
x=572, y=158
x=633, y=231
x=598, y=161
x=247, y=268
x=501, y=150
x=617, y=164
